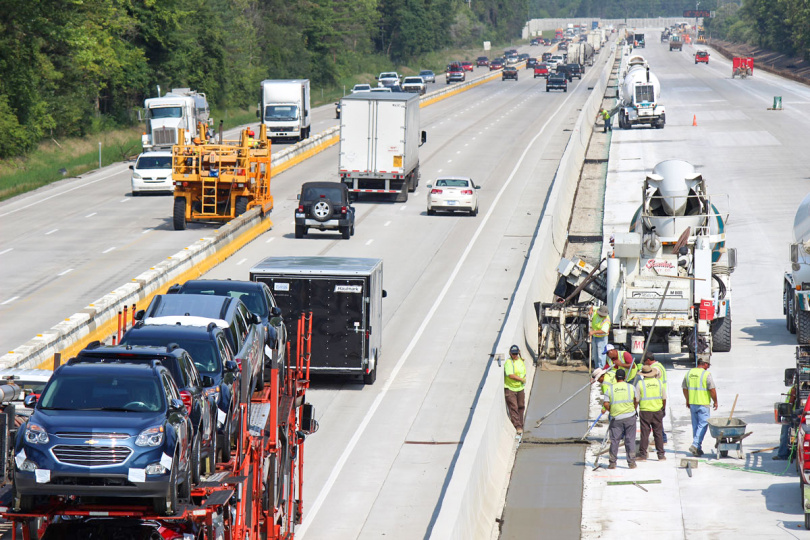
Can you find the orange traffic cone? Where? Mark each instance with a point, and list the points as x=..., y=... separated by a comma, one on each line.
x=694, y=120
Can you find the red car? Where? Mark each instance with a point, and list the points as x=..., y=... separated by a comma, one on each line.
x=496, y=64
x=468, y=66
x=540, y=70
x=702, y=56
x=482, y=61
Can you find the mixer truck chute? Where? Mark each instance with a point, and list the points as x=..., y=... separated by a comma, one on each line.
x=639, y=96
x=796, y=296
x=676, y=243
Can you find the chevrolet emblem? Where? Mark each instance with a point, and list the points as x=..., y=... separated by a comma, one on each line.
x=91, y=441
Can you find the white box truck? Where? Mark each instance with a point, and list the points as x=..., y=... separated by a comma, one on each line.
x=182, y=108
x=379, y=143
x=344, y=296
x=285, y=109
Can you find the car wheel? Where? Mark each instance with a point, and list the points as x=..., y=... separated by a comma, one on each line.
x=211, y=458
x=22, y=503
x=196, y=460
x=322, y=210
x=565, y=89
x=346, y=232
x=352, y=233
x=260, y=379
x=299, y=231
x=371, y=376
x=179, y=215
x=431, y=212
x=241, y=206
x=167, y=506
x=546, y=88
x=474, y=211
x=184, y=489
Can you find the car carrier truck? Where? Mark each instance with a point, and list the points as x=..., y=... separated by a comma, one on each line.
x=379, y=143
x=344, y=295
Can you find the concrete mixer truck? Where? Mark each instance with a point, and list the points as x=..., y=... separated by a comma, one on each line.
x=638, y=96
x=796, y=296
x=669, y=279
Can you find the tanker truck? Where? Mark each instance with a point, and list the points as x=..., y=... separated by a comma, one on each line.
x=638, y=96
x=669, y=278
x=796, y=295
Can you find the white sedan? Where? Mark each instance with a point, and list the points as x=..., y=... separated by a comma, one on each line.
x=152, y=172
x=451, y=193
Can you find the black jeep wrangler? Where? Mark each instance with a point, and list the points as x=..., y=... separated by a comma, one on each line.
x=325, y=206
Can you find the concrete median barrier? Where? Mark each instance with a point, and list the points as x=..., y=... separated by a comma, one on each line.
x=473, y=498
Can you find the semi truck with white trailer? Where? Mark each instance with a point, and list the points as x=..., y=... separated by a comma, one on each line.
x=344, y=297
x=285, y=109
x=639, y=96
x=379, y=143
x=182, y=108
x=796, y=285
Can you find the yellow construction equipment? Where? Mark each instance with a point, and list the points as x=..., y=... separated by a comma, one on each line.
x=218, y=182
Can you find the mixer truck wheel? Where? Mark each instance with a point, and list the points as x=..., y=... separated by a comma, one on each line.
x=721, y=333
x=179, y=216
x=803, y=327
x=791, y=312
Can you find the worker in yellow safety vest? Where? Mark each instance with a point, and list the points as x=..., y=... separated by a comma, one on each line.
x=514, y=382
x=699, y=390
x=649, y=360
x=599, y=329
x=651, y=407
x=622, y=402
x=621, y=360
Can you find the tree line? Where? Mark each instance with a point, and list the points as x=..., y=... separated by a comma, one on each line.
x=73, y=67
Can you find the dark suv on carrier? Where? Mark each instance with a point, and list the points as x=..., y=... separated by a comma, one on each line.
x=324, y=206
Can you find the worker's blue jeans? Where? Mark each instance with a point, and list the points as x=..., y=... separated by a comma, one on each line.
x=784, y=442
x=598, y=344
x=700, y=422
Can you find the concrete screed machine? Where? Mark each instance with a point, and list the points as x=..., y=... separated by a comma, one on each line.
x=667, y=280
x=218, y=182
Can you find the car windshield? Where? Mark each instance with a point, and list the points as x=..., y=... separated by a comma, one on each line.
x=281, y=112
x=102, y=392
x=361, y=87
x=253, y=299
x=452, y=182
x=154, y=162
x=421, y=73
x=166, y=112
x=312, y=194
x=203, y=352
x=389, y=76
x=413, y=80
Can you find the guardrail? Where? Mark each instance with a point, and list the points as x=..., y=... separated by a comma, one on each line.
x=472, y=500
x=99, y=319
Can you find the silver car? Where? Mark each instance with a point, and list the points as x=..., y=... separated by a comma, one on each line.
x=427, y=76
x=452, y=193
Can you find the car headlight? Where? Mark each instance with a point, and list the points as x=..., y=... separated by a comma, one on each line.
x=35, y=434
x=150, y=437
x=156, y=468
x=136, y=176
x=28, y=466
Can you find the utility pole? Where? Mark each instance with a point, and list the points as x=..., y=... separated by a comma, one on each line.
x=697, y=5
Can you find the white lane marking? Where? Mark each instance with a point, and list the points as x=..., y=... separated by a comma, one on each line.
x=387, y=223
x=91, y=215
x=125, y=200
x=51, y=232
x=58, y=194
x=5, y=251
x=108, y=250
x=10, y=300
x=147, y=230
x=369, y=242
x=270, y=239
x=240, y=262
x=69, y=270
x=361, y=428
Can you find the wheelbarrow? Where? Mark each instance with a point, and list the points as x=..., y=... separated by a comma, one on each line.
x=729, y=434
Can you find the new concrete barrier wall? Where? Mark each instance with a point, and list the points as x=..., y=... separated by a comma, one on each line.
x=99, y=319
x=472, y=500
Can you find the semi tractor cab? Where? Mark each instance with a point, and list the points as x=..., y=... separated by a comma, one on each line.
x=180, y=109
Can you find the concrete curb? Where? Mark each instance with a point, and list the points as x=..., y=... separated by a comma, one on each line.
x=468, y=508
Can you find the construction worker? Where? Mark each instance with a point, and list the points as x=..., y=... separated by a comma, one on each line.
x=607, y=120
x=514, y=382
x=600, y=326
x=649, y=360
x=605, y=378
x=651, y=407
x=699, y=390
x=621, y=403
x=251, y=141
x=784, y=438
x=621, y=359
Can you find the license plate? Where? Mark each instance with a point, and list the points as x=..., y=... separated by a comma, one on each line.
x=299, y=215
x=452, y=203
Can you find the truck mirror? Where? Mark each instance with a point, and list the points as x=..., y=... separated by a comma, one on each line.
x=424, y=137
x=384, y=293
x=258, y=115
x=794, y=253
x=790, y=375
x=732, y=259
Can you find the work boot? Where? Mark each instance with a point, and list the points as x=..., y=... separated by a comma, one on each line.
x=632, y=465
x=612, y=466
x=699, y=452
x=779, y=458
x=662, y=458
x=693, y=450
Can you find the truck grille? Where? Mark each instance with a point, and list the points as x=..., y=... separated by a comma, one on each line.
x=282, y=129
x=91, y=456
x=164, y=136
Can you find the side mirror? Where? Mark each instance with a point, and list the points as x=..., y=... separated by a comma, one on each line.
x=429, y=186
x=255, y=319
x=477, y=187
x=790, y=375
x=258, y=115
x=732, y=259
x=308, y=423
x=794, y=253
x=207, y=381
x=298, y=197
x=424, y=137
x=132, y=167
x=174, y=289
x=31, y=400
x=275, y=311
x=140, y=315
x=176, y=405
x=231, y=366
x=384, y=293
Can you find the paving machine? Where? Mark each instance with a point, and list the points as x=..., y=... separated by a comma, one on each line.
x=218, y=182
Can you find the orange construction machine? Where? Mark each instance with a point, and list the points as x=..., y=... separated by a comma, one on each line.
x=742, y=67
x=218, y=182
